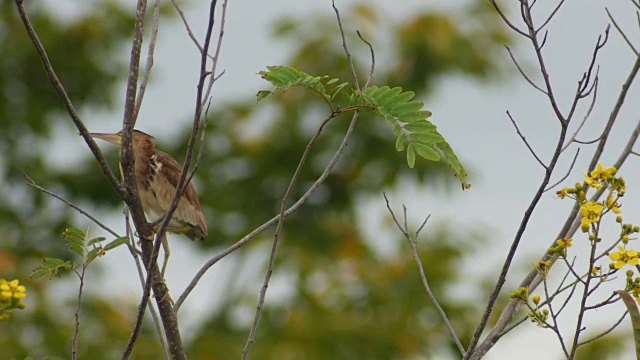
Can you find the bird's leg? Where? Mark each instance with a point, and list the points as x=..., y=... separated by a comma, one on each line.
x=167, y=252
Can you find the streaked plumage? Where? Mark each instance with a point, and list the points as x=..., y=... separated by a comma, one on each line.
x=157, y=175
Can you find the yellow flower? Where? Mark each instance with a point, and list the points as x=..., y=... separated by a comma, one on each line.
x=611, y=204
x=564, y=243
x=623, y=257
x=563, y=193
x=590, y=212
x=599, y=173
x=592, y=182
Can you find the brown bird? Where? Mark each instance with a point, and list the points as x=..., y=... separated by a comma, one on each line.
x=157, y=175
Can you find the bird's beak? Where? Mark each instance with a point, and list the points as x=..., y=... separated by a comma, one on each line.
x=112, y=138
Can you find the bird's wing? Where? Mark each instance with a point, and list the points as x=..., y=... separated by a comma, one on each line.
x=188, y=210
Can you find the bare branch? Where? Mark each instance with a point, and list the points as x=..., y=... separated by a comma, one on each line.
x=303, y=199
x=525, y=141
x=624, y=36
x=276, y=237
x=188, y=28
x=413, y=243
x=553, y=13
x=76, y=328
x=33, y=184
x=73, y=114
x=344, y=46
x=526, y=77
x=573, y=162
x=506, y=20
x=373, y=59
x=584, y=119
x=149, y=64
x=608, y=331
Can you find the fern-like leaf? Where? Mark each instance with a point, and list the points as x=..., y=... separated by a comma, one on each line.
x=409, y=123
x=284, y=77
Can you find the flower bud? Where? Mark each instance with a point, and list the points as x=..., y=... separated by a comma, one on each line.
x=536, y=299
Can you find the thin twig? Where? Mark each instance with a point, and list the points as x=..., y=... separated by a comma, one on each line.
x=413, y=243
x=624, y=36
x=566, y=175
x=584, y=119
x=345, y=47
x=524, y=75
x=188, y=28
x=608, y=331
x=553, y=13
x=76, y=328
x=554, y=317
x=152, y=46
x=506, y=20
x=373, y=59
x=525, y=140
x=33, y=184
x=276, y=238
x=73, y=114
x=303, y=199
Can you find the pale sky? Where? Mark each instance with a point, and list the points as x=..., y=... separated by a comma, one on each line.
x=470, y=115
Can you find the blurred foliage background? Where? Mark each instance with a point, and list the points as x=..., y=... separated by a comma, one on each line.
x=347, y=300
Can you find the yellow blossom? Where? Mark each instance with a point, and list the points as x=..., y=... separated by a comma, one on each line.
x=563, y=193
x=611, y=204
x=602, y=174
x=590, y=212
x=623, y=257
x=594, y=183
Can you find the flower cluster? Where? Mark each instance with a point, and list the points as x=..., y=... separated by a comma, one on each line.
x=11, y=295
x=633, y=285
x=591, y=211
x=542, y=267
x=561, y=247
x=536, y=315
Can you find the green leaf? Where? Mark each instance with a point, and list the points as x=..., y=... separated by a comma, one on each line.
x=51, y=267
x=454, y=163
x=263, y=94
x=283, y=77
x=409, y=123
x=92, y=255
x=400, y=143
x=74, y=235
x=426, y=152
x=96, y=240
x=411, y=156
x=115, y=243
x=406, y=108
x=53, y=262
x=76, y=249
x=420, y=127
x=426, y=138
x=38, y=272
x=338, y=89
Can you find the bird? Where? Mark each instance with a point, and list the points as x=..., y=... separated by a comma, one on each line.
x=157, y=176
